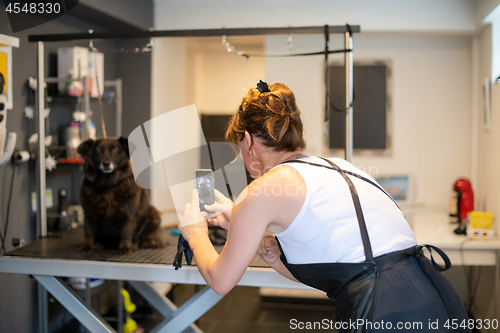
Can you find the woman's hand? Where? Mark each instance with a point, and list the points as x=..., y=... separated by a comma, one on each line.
x=219, y=213
x=192, y=224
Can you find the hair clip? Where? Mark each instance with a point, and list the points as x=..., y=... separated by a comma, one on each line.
x=263, y=87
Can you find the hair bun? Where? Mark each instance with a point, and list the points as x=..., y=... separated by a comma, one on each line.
x=282, y=101
x=271, y=113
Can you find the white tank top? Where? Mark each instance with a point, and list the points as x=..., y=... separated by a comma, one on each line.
x=326, y=229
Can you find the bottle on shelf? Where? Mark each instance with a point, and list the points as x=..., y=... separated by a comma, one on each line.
x=72, y=140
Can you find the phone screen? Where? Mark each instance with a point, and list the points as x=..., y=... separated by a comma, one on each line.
x=204, y=183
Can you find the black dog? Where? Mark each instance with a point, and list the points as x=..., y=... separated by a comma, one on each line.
x=117, y=211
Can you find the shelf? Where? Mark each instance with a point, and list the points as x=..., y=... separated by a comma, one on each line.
x=59, y=99
x=66, y=160
x=62, y=99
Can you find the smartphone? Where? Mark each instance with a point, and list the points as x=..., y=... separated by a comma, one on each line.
x=204, y=184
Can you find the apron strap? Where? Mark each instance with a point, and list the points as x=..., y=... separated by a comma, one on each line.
x=447, y=261
x=357, y=206
x=359, y=213
x=346, y=172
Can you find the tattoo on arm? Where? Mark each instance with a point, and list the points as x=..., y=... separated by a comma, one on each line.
x=268, y=250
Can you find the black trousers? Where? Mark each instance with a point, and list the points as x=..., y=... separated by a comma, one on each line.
x=407, y=299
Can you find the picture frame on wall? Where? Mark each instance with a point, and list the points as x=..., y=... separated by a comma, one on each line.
x=398, y=186
x=6, y=74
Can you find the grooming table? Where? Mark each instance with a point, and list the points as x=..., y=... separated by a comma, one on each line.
x=48, y=259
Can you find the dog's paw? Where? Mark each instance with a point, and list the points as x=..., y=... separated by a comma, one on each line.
x=126, y=247
x=154, y=242
x=87, y=250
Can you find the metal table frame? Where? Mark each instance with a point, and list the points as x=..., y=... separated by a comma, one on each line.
x=47, y=272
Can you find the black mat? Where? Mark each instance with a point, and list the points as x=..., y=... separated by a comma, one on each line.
x=69, y=243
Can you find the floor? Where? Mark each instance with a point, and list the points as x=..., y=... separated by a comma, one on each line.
x=243, y=311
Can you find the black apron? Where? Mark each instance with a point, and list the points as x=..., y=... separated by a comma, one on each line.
x=399, y=290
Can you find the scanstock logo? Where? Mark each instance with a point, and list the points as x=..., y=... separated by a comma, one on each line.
x=28, y=14
x=166, y=151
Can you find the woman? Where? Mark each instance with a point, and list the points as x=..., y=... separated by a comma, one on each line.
x=334, y=228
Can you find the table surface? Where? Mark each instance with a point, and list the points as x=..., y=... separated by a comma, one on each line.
x=433, y=228
x=68, y=245
x=60, y=256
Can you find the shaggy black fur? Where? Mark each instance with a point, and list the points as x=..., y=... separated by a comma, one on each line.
x=117, y=211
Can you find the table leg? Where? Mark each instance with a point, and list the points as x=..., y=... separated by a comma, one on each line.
x=121, y=309
x=160, y=302
x=43, y=316
x=88, y=292
x=74, y=304
x=188, y=312
x=88, y=295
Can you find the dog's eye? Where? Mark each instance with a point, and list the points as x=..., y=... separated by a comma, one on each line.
x=101, y=149
x=113, y=149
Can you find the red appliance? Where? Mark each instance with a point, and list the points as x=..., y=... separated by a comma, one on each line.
x=464, y=203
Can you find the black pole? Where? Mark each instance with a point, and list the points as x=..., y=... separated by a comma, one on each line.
x=193, y=33
x=327, y=100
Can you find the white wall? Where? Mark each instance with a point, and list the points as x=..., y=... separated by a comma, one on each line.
x=486, y=158
x=488, y=141
x=169, y=67
x=170, y=80
x=188, y=71
x=380, y=15
x=431, y=74
x=430, y=104
x=488, y=191
x=221, y=79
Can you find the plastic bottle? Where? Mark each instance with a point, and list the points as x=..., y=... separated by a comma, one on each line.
x=72, y=140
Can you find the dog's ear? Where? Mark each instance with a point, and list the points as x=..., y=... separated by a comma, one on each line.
x=124, y=143
x=85, y=146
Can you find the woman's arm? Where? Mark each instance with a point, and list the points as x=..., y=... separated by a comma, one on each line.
x=249, y=220
x=270, y=253
x=219, y=215
x=255, y=210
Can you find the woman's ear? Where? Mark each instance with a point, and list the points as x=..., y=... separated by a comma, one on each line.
x=248, y=140
x=255, y=148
